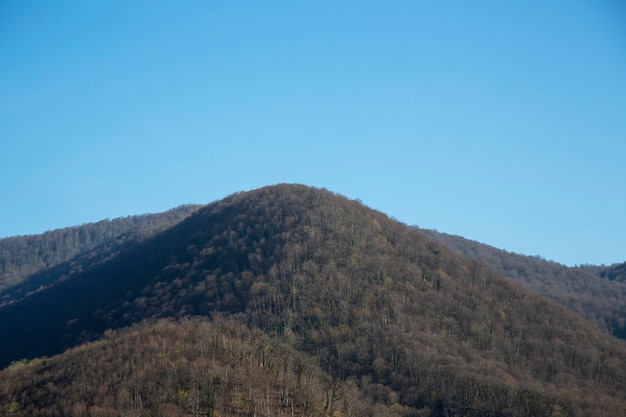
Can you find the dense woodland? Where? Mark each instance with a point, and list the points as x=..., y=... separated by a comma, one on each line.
x=189, y=367
x=387, y=321
x=614, y=272
x=597, y=293
x=23, y=256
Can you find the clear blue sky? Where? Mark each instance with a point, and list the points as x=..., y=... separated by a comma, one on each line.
x=503, y=122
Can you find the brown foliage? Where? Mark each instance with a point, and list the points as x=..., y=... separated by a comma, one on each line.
x=596, y=293
x=384, y=311
x=190, y=367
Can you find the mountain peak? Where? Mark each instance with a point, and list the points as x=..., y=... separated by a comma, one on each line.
x=372, y=300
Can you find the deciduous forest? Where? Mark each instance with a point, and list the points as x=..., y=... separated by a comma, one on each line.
x=597, y=293
x=291, y=300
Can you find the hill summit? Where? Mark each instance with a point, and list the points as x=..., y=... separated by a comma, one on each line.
x=384, y=313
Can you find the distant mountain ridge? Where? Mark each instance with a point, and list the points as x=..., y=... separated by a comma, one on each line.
x=23, y=256
x=385, y=312
x=597, y=293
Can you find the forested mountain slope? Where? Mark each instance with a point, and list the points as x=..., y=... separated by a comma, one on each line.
x=189, y=367
x=615, y=272
x=596, y=293
x=417, y=329
x=24, y=256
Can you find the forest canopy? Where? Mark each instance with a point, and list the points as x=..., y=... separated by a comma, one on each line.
x=384, y=317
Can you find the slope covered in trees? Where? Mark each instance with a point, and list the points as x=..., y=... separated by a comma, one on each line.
x=615, y=272
x=22, y=256
x=189, y=367
x=596, y=293
x=417, y=329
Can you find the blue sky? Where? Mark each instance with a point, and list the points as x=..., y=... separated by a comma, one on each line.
x=503, y=122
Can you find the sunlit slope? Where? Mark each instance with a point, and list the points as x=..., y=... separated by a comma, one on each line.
x=371, y=300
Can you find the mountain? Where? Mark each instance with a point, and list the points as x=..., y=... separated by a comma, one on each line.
x=23, y=256
x=596, y=293
x=386, y=319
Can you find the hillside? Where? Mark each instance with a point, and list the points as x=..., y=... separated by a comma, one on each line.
x=189, y=367
x=596, y=293
x=23, y=256
x=615, y=272
x=416, y=329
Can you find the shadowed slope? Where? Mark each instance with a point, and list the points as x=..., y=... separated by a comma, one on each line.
x=370, y=299
x=23, y=257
